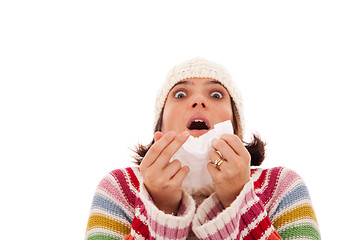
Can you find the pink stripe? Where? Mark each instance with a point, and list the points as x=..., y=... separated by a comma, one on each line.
x=287, y=180
x=241, y=223
x=108, y=186
x=227, y=230
x=162, y=231
x=124, y=183
x=214, y=211
x=247, y=198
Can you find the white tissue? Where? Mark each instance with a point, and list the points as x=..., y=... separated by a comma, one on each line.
x=195, y=154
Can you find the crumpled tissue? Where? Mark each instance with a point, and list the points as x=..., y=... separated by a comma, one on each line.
x=195, y=154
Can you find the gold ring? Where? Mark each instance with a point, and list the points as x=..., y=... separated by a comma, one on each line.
x=218, y=162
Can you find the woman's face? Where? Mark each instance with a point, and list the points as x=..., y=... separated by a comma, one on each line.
x=196, y=105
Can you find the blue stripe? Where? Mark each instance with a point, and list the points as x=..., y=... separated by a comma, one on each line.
x=107, y=205
x=297, y=194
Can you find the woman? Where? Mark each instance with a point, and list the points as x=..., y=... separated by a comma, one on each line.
x=148, y=202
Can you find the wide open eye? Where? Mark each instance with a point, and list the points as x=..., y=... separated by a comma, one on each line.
x=180, y=94
x=217, y=94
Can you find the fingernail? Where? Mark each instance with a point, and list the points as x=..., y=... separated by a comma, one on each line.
x=185, y=134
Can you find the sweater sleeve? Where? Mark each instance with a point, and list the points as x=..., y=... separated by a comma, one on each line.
x=290, y=210
x=123, y=209
x=112, y=209
x=166, y=226
x=247, y=217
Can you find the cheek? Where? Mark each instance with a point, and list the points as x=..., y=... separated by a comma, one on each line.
x=227, y=112
x=165, y=121
x=228, y=116
x=231, y=114
x=168, y=119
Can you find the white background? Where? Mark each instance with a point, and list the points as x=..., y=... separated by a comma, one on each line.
x=78, y=81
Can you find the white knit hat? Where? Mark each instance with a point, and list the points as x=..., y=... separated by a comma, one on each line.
x=201, y=68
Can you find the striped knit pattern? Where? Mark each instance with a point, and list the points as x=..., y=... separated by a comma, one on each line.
x=274, y=204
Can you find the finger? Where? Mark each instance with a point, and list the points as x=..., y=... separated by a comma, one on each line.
x=172, y=168
x=158, y=135
x=237, y=145
x=156, y=149
x=170, y=150
x=234, y=142
x=227, y=152
x=213, y=171
x=181, y=174
x=213, y=156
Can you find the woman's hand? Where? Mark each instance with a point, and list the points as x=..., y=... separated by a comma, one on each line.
x=234, y=172
x=163, y=180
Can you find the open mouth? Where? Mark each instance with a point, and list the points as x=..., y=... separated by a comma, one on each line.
x=200, y=123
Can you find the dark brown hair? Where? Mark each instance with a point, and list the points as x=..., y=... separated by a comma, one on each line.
x=256, y=147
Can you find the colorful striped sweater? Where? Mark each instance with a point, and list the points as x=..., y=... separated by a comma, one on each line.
x=274, y=204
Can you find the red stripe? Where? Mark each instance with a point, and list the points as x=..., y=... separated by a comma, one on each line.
x=123, y=184
x=260, y=181
x=255, y=210
x=133, y=178
x=140, y=228
x=259, y=230
x=270, y=184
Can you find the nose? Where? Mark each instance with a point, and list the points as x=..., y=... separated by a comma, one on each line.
x=198, y=101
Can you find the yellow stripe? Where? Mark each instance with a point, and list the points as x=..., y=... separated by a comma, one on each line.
x=102, y=221
x=304, y=211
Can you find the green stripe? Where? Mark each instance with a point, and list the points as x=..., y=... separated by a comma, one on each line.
x=102, y=237
x=300, y=231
